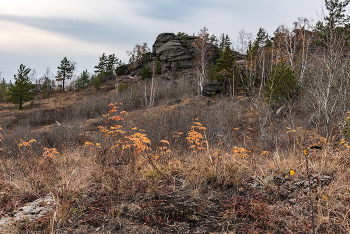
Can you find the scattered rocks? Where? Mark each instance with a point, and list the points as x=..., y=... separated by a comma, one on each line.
x=128, y=79
x=174, y=102
x=316, y=181
x=280, y=111
x=30, y=212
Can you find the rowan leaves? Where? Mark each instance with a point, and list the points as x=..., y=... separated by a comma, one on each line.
x=50, y=153
x=195, y=137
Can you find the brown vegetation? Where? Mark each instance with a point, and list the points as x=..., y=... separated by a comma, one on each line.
x=195, y=165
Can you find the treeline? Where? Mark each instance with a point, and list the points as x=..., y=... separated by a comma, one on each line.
x=306, y=64
x=24, y=86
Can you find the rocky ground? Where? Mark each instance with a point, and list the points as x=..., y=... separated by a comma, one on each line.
x=260, y=205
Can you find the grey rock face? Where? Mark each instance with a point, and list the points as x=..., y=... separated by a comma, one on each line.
x=174, y=52
x=162, y=39
x=173, y=55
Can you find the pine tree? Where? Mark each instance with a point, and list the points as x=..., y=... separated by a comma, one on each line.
x=83, y=80
x=225, y=41
x=111, y=62
x=100, y=68
x=158, y=68
x=65, y=71
x=3, y=89
x=282, y=85
x=98, y=82
x=106, y=65
x=20, y=91
x=225, y=66
x=336, y=11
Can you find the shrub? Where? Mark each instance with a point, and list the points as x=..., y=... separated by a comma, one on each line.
x=281, y=86
x=158, y=68
x=146, y=72
x=121, y=69
x=177, y=64
x=122, y=87
x=98, y=82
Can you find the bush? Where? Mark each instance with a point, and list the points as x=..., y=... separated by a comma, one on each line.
x=177, y=64
x=121, y=69
x=122, y=87
x=281, y=86
x=146, y=72
x=98, y=82
x=158, y=68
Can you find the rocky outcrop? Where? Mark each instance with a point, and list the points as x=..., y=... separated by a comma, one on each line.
x=213, y=89
x=174, y=52
x=173, y=55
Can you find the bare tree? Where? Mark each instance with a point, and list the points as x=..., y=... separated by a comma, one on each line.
x=304, y=30
x=149, y=99
x=203, y=56
x=292, y=45
x=329, y=79
x=243, y=40
x=46, y=78
x=136, y=54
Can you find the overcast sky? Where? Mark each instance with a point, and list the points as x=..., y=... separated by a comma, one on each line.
x=39, y=33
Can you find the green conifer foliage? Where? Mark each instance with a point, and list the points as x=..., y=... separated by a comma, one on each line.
x=65, y=71
x=225, y=66
x=20, y=91
x=282, y=85
x=83, y=80
x=3, y=89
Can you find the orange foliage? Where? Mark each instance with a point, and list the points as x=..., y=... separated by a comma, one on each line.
x=50, y=153
x=26, y=144
x=195, y=137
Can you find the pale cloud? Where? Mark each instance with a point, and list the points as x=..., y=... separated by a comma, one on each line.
x=41, y=32
x=26, y=39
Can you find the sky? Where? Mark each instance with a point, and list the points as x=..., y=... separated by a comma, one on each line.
x=40, y=33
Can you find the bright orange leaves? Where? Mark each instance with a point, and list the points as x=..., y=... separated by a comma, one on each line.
x=195, y=137
x=139, y=141
x=240, y=152
x=50, y=153
x=26, y=144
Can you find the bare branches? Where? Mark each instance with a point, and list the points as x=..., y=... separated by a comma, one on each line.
x=329, y=78
x=203, y=55
x=136, y=54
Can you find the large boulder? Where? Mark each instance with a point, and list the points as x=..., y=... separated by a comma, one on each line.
x=212, y=89
x=174, y=52
x=173, y=55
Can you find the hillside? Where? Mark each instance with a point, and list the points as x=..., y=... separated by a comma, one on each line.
x=187, y=164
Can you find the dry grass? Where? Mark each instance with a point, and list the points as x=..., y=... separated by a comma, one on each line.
x=225, y=177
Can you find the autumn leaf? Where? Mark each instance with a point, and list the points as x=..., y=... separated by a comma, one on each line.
x=165, y=141
x=325, y=197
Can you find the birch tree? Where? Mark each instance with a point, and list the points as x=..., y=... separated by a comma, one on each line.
x=329, y=79
x=203, y=55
